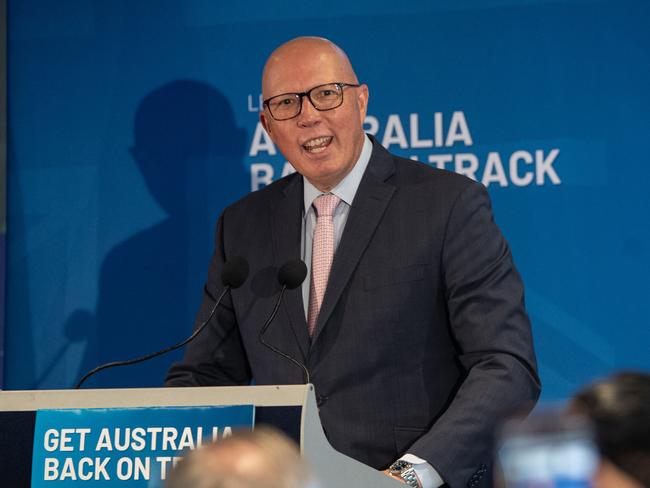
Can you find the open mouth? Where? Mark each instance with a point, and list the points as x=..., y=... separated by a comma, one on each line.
x=317, y=145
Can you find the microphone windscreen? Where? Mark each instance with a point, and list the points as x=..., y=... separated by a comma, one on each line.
x=234, y=272
x=292, y=273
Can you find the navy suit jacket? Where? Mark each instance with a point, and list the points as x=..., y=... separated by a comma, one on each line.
x=422, y=342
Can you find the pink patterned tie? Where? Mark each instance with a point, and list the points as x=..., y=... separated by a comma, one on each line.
x=322, y=255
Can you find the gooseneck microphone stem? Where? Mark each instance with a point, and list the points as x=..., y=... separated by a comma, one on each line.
x=290, y=275
x=275, y=349
x=152, y=355
x=273, y=313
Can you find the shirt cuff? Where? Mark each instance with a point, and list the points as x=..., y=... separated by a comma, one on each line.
x=429, y=477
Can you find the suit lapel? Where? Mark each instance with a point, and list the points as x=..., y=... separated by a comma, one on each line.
x=368, y=207
x=286, y=215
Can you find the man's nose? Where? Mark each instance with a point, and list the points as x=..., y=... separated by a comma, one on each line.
x=308, y=116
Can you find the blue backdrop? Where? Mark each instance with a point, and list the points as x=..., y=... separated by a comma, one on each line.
x=132, y=124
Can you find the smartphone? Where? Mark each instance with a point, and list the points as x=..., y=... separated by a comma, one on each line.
x=548, y=450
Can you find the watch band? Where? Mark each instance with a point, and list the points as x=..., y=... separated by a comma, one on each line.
x=405, y=470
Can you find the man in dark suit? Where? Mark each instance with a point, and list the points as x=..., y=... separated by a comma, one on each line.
x=421, y=340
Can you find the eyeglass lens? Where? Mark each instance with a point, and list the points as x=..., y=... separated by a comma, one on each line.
x=322, y=97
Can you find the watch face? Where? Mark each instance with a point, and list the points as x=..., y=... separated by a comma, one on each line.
x=398, y=466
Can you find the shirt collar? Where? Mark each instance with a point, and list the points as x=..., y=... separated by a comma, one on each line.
x=348, y=186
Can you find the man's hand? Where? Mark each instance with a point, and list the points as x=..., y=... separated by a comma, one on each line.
x=394, y=476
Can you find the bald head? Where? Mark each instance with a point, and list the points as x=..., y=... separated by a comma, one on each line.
x=264, y=458
x=301, y=53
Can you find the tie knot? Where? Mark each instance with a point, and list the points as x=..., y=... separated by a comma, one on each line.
x=326, y=204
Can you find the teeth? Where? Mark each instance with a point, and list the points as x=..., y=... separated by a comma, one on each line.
x=317, y=144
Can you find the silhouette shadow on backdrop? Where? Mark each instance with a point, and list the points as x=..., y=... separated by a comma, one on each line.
x=190, y=153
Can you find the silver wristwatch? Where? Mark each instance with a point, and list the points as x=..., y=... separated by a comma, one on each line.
x=406, y=471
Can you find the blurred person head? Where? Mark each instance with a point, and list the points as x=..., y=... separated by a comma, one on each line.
x=263, y=458
x=619, y=409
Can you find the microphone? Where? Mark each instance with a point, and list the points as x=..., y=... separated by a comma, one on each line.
x=233, y=275
x=291, y=275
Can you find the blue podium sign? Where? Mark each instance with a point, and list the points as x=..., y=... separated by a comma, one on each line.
x=125, y=446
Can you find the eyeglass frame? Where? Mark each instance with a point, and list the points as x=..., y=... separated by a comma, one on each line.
x=301, y=95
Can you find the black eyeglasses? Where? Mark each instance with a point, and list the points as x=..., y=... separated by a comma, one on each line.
x=322, y=97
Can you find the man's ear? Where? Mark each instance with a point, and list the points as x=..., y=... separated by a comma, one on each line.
x=362, y=100
x=265, y=123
